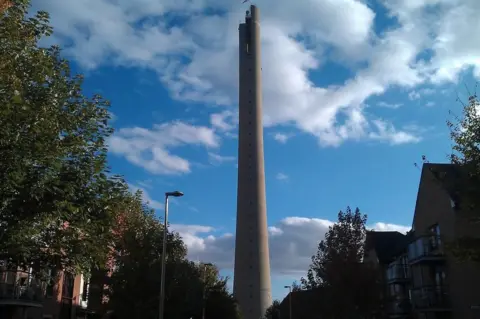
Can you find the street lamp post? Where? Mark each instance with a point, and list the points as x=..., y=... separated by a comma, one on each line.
x=161, y=309
x=289, y=301
x=204, y=301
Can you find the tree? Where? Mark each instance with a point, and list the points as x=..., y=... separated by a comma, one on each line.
x=296, y=286
x=273, y=312
x=337, y=267
x=57, y=201
x=135, y=283
x=220, y=303
x=465, y=134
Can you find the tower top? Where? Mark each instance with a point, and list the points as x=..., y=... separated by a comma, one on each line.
x=253, y=14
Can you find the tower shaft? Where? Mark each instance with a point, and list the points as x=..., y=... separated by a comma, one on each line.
x=252, y=262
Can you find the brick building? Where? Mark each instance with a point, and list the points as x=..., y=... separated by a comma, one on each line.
x=423, y=277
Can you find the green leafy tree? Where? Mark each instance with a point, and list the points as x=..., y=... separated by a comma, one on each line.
x=134, y=286
x=465, y=134
x=273, y=312
x=220, y=303
x=57, y=202
x=338, y=269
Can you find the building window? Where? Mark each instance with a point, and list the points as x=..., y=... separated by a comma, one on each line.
x=435, y=236
x=52, y=278
x=68, y=282
x=86, y=287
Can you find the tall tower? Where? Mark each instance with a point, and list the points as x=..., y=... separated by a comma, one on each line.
x=251, y=285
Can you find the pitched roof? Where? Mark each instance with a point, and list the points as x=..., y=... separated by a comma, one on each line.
x=387, y=244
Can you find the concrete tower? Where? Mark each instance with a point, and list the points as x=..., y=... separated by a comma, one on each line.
x=251, y=284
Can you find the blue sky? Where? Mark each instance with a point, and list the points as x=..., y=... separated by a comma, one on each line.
x=355, y=92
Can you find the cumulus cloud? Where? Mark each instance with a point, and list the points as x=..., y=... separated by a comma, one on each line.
x=281, y=176
x=293, y=241
x=430, y=44
x=149, y=148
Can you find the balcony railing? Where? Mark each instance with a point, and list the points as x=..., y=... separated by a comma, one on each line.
x=431, y=298
x=398, y=272
x=427, y=248
x=20, y=293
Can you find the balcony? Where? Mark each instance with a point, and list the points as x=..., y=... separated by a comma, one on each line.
x=23, y=292
x=397, y=272
x=426, y=249
x=431, y=298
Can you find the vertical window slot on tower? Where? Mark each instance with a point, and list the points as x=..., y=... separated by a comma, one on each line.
x=248, y=35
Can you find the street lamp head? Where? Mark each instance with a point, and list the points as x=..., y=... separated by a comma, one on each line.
x=174, y=194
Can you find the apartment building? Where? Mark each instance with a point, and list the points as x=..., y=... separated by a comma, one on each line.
x=65, y=296
x=23, y=296
x=424, y=280
x=441, y=286
x=386, y=251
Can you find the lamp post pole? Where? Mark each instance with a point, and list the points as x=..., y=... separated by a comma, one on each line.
x=161, y=309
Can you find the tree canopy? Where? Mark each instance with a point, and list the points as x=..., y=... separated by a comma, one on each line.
x=465, y=135
x=273, y=312
x=57, y=198
x=134, y=285
x=337, y=267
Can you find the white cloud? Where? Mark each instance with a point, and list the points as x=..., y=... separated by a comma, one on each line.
x=281, y=137
x=217, y=159
x=150, y=149
x=417, y=94
x=292, y=242
x=390, y=227
x=430, y=104
x=389, y=105
x=224, y=121
x=388, y=133
x=146, y=197
x=281, y=176
x=103, y=32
